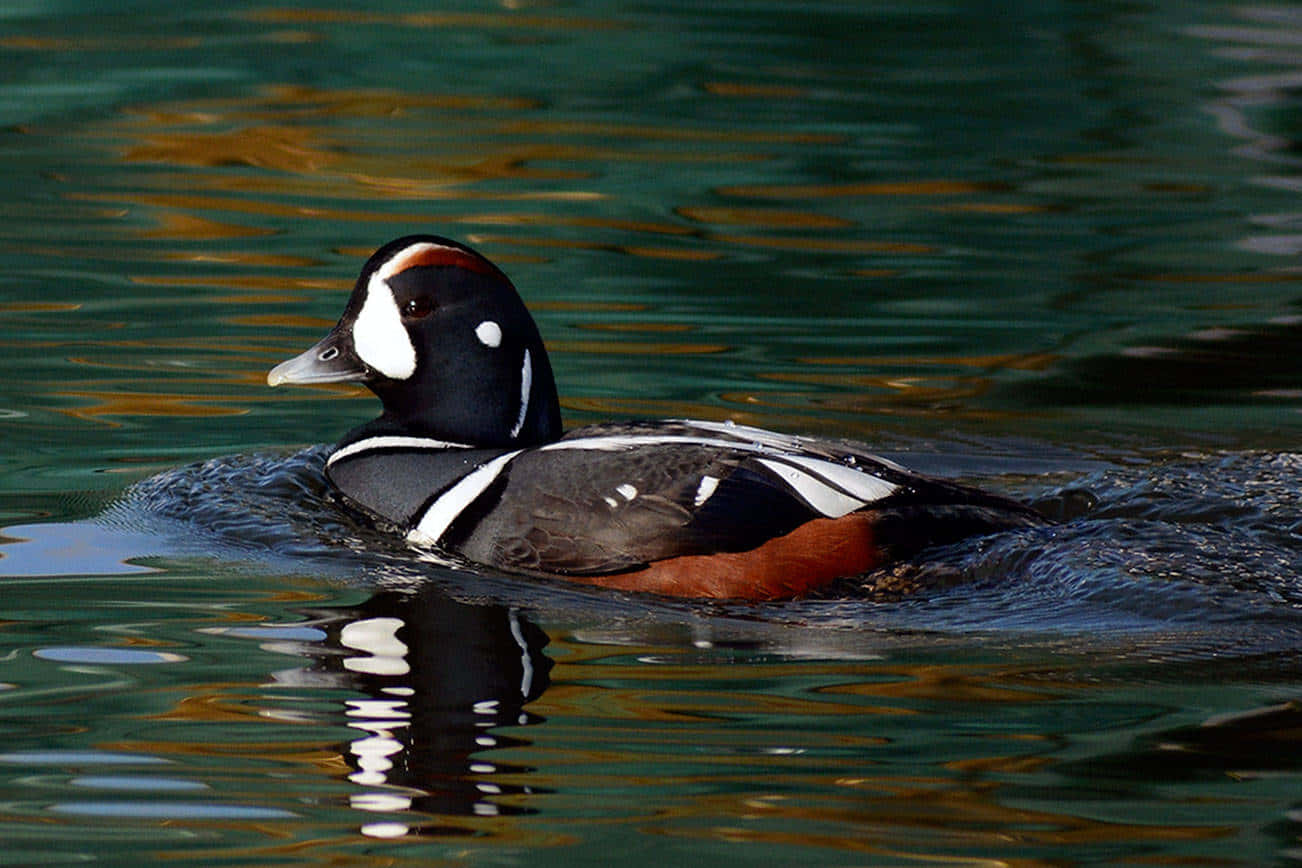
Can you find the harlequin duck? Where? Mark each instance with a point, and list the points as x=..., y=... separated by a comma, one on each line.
x=468, y=456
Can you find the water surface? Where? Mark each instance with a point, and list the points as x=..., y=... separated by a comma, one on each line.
x=1048, y=249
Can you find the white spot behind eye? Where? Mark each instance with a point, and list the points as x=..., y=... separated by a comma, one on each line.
x=379, y=337
x=626, y=491
x=489, y=333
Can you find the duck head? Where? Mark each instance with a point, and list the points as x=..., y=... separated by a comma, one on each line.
x=440, y=335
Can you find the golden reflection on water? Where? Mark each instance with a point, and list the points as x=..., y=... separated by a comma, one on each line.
x=505, y=19
x=246, y=281
x=38, y=306
x=754, y=91
x=887, y=188
x=637, y=326
x=637, y=348
x=202, y=181
x=102, y=405
x=641, y=250
x=301, y=142
x=670, y=731
x=767, y=218
x=648, y=133
x=283, y=148
x=948, y=398
x=821, y=244
x=179, y=226
x=97, y=43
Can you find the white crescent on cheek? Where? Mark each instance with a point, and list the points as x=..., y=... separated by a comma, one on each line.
x=379, y=337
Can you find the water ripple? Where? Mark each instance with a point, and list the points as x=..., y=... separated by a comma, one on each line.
x=1198, y=543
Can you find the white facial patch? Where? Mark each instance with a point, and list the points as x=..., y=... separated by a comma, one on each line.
x=489, y=333
x=379, y=337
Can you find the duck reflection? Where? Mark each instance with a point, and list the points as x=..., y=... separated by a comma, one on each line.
x=435, y=679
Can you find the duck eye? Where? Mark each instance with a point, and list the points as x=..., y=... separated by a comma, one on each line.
x=418, y=308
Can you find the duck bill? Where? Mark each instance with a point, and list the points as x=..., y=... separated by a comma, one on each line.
x=330, y=360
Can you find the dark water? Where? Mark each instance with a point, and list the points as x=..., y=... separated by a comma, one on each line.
x=1052, y=249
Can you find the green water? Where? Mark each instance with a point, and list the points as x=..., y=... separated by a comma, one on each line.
x=1051, y=249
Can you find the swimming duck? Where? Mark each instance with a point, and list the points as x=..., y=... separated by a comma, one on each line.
x=469, y=456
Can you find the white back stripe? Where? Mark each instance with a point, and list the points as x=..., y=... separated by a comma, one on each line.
x=789, y=442
x=443, y=511
x=391, y=442
x=622, y=442
x=526, y=386
x=748, y=434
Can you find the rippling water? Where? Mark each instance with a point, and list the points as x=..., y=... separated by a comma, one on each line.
x=1051, y=249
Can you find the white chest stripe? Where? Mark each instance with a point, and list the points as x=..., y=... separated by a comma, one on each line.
x=817, y=494
x=526, y=386
x=392, y=442
x=379, y=336
x=443, y=511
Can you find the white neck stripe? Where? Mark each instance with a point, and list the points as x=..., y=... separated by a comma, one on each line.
x=526, y=386
x=392, y=442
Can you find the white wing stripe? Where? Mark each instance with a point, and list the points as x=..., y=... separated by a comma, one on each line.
x=391, y=442
x=862, y=485
x=705, y=489
x=443, y=511
x=814, y=492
